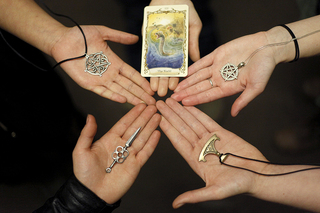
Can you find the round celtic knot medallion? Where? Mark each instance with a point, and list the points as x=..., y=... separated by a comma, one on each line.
x=229, y=72
x=97, y=63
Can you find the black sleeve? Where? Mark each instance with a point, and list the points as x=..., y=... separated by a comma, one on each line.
x=73, y=196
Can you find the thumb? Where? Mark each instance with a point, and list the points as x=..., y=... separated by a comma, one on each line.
x=117, y=35
x=194, y=196
x=87, y=134
x=245, y=98
x=194, y=51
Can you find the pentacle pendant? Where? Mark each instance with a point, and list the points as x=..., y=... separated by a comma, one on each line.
x=97, y=63
x=229, y=72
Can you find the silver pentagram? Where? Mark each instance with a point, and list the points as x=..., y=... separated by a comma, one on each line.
x=229, y=72
x=97, y=63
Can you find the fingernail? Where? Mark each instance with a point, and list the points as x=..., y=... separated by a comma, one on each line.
x=179, y=205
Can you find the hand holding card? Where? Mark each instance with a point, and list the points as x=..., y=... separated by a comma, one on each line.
x=165, y=41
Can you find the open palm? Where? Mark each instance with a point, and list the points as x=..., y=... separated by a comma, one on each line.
x=120, y=83
x=188, y=130
x=252, y=79
x=91, y=159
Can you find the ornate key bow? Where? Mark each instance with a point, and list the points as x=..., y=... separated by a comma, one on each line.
x=121, y=153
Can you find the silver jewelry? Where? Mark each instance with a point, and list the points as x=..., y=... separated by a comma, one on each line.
x=230, y=72
x=97, y=63
x=121, y=153
x=210, y=82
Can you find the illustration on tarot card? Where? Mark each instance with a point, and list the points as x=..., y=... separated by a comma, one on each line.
x=165, y=41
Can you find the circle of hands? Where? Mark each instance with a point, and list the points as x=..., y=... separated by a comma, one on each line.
x=187, y=127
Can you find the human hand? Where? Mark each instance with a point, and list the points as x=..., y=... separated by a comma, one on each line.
x=161, y=84
x=90, y=160
x=120, y=83
x=188, y=130
x=252, y=79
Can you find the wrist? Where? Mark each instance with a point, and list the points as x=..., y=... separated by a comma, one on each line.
x=260, y=182
x=54, y=38
x=282, y=53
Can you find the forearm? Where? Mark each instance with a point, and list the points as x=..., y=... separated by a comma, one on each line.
x=309, y=46
x=300, y=189
x=26, y=20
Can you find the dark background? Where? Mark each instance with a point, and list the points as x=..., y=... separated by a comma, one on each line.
x=166, y=174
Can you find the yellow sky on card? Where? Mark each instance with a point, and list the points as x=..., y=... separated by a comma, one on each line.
x=163, y=18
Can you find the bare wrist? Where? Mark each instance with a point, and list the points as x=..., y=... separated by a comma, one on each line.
x=59, y=32
x=260, y=181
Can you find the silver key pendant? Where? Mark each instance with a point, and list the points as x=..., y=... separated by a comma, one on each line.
x=121, y=153
x=119, y=156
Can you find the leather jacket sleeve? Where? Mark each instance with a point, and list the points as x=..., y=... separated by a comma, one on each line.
x=73, y=196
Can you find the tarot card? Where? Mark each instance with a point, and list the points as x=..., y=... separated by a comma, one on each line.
x=165, y=41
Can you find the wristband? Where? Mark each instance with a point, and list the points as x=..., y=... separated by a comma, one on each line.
x=295, y=40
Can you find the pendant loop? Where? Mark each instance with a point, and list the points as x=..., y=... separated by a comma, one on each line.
x=242, y=64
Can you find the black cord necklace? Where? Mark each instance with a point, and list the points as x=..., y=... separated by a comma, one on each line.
x=209, y=148
x=84, y=37
x=266, y=162
x=59, y=63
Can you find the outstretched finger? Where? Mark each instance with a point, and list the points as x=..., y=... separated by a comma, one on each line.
x=204, y=62
x=125, y=122
x=195, y=26
x=163, y=86
x=133, y=75
x=117, y=35
x=177, y=122
x=203, y=97
x=150, y=138
x=205, y=120
x=142, y=121
x=87, y=134
x=173, y=83
x=180, y=143
x=194, y=51
x=107, y=93
x=131, y=91
x=194, y=79
x=193, y=90
x=154, y=83
x=191, y=120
